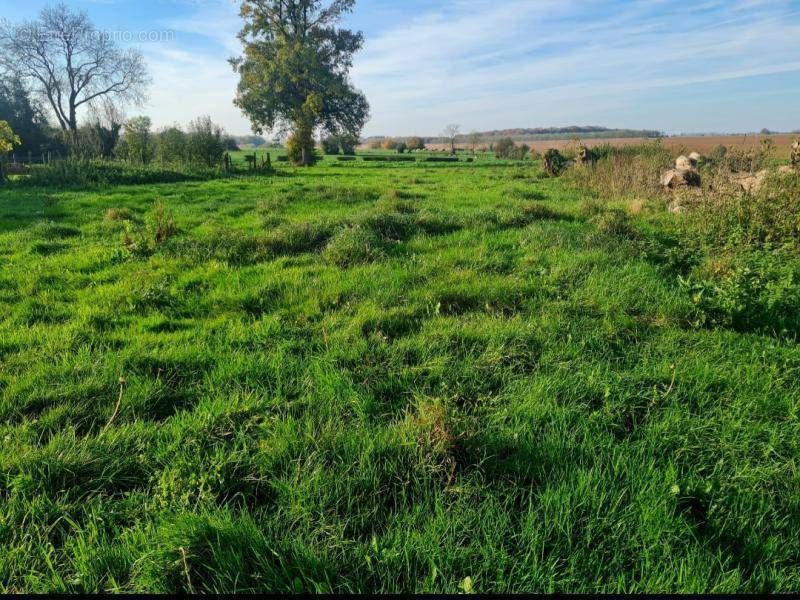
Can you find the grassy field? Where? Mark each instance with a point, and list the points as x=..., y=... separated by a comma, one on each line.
x=380, y=378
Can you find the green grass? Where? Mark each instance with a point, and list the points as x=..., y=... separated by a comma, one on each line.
x=379, y=378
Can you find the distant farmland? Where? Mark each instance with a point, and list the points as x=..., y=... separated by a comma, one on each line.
x=677, y=144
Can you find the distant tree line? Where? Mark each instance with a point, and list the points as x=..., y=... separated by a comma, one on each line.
x=203, y=143
x=474, y=138
x=108, y=135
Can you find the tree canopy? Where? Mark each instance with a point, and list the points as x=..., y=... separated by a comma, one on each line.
x=294, y=74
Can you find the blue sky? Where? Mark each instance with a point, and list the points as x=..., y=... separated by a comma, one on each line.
x=707, y=65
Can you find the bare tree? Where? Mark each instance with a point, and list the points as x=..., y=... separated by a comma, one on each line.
x=70, y=63
x=451, y=133
x=474, y=139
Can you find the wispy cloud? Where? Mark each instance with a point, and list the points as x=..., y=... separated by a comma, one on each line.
x=192, y=76
x=521, y=63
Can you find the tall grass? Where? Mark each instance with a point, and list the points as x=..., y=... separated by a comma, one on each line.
x=623, y=171
x=746, y=272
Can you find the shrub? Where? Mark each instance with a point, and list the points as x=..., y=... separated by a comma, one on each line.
x=171, y=146
x=768, y=218
x=136, y=144
x=348, y=143
x=401, y=147
x=554, y=162
x=159, y=228
x=205, y=142
x=162, y=224
x=749, y=290
x=8, y=140
x=747, y=160
x=415, y=143
x=300, y=149
x=504, y=147
x=330, y=145
x=520, y=152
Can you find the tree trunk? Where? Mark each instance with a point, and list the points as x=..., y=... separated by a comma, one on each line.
x=303, y=142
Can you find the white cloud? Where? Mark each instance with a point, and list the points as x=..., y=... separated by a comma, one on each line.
x=522, y=63
x=191, y=74
x=518, y=63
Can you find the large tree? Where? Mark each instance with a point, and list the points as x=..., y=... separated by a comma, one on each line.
x=294, y=74
x=71, y=63
x=24, y=115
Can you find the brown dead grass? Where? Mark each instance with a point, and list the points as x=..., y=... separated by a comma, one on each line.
x=677, y=145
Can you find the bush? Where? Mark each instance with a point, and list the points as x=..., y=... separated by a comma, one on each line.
x=769, y=218
x=300, y=149
x=205, y=142
x=171, y=146
x=415, y=143
x=504, y=147
x=330, y=145
x=748, y=291
x=137, y=145
x=520, y=152
x=160, y=228
x=348, y=143
x=231, y=145
x=554, y=162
